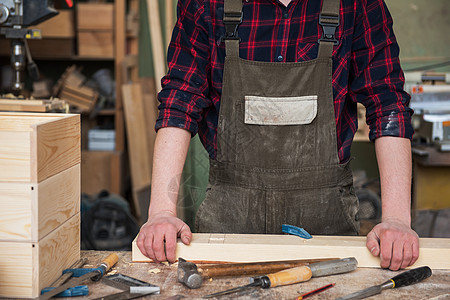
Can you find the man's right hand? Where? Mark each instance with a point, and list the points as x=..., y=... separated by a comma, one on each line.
x=158, y=237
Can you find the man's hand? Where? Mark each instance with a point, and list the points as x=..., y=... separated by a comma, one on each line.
x=396, y=244
x=158, y=237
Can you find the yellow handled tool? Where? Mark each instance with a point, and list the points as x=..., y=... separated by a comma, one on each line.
x=297, y=274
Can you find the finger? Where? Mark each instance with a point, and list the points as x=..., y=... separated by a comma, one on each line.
x=141, y=244
x=159, y=248
x=415, y=252
x=407, y=255
x=372, y=243
x=171, y=245
x=185, y=234
x=386, y=244
x=397, y=255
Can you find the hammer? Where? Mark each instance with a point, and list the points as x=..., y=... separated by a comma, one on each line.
x=192, y=276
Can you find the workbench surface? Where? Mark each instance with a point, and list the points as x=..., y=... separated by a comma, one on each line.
x=165, y=276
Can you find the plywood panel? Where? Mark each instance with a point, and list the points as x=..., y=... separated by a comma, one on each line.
x=256, y=247
x=26, y=268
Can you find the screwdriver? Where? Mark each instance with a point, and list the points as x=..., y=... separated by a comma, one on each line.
x=403, y=279
x=296, y=275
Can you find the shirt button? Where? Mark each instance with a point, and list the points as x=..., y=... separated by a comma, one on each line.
x=285, y=15
x=280, y=58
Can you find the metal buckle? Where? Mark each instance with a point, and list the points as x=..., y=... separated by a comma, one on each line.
x=232, y=22
x=329, y=25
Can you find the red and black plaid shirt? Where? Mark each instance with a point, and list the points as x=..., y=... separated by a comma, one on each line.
x=366, y=67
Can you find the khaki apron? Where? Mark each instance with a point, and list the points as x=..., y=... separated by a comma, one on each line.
x=277, y=161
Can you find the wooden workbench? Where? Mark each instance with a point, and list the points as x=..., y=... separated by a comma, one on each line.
x=435, y=287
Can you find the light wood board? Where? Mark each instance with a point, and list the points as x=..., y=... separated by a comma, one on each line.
x=156, y=42
x=30, y=211
x=139, y=153
x=434, y=253
x=34, y=146
x=26, y=268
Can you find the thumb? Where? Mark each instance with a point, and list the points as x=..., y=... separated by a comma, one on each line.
x=373, y=243
x=185, y=234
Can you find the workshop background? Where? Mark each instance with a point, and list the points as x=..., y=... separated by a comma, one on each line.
x=107, y=69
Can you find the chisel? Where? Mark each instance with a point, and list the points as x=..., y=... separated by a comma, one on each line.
x=296, y=275
x=403, y=279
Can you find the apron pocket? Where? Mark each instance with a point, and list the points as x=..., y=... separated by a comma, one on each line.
x=280, y=110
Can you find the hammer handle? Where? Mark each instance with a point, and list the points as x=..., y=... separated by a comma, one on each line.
x=260, y=268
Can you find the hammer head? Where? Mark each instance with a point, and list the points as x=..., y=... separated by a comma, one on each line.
x=188, y=274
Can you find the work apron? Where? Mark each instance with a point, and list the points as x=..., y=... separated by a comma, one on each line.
x=277, y=161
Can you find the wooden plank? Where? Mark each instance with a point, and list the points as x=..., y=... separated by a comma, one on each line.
x=156, y=42
x=15, y=156
x=60, y=26
x=259, y=247
x=31, y=105
x=58, y=147
x=28, y=212
x=26, y=268
x=137, y=140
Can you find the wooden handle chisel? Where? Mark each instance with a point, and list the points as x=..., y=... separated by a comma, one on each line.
x=403, y=279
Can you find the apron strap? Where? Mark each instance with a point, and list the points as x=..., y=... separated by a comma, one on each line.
x=329, y=20
x=232, y=18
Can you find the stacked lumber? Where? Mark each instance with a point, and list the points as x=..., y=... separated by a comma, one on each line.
x=39, y=200
x=209, y=247
x=71, y=88
x=32, y=105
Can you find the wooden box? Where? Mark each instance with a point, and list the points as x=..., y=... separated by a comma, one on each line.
x=96, y=44
x=39, y=200
x=95, y=16
x=59, y=26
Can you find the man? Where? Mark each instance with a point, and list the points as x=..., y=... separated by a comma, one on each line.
x=278, y=116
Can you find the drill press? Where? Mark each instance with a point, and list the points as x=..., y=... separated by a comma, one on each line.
x=15, y=17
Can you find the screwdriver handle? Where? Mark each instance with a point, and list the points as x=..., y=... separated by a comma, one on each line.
x=290, y=276
x=411, y=276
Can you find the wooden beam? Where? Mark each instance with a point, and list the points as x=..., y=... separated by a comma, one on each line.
x=156, y=42
x=259, y=247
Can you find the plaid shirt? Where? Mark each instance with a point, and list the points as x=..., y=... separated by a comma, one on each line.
x=366, y=66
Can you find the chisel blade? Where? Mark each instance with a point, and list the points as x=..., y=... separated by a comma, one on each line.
x=373, y=290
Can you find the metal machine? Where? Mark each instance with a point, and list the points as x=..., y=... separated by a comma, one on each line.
x=430, y=99
x=15, y=17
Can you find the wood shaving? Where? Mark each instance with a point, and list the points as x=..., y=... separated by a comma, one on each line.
x=155, y=271
x=165, y=263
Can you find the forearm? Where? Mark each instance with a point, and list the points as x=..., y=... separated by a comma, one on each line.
x=171, y=148
x=394, y=163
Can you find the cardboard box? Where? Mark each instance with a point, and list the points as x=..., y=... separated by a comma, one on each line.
x=96, y=44
x=95, y=16
x=39, y=200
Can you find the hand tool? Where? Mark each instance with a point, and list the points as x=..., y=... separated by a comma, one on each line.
x=127, y=283
x=298, y=231
x=94, y=274
x=81, y=290
x=296, y=275
x=403, y=279
x=192, y=275
x=321, y=289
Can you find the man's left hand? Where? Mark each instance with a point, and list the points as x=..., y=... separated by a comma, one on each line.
x=396, y=244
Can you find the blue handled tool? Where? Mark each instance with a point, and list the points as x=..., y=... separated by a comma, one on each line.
x=290, y=229
x=94, y=274
x=80, y=290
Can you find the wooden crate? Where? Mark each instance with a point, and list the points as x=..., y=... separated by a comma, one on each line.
x=96, y=44
x=39, y=200
x=60, y=26
x=95, y=16
x=27, y=268
x=35, y=147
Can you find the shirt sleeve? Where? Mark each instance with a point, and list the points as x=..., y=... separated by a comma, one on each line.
x=185, y=87
x=376, y=78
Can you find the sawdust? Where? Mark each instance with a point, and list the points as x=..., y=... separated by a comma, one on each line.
x=155, y=271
